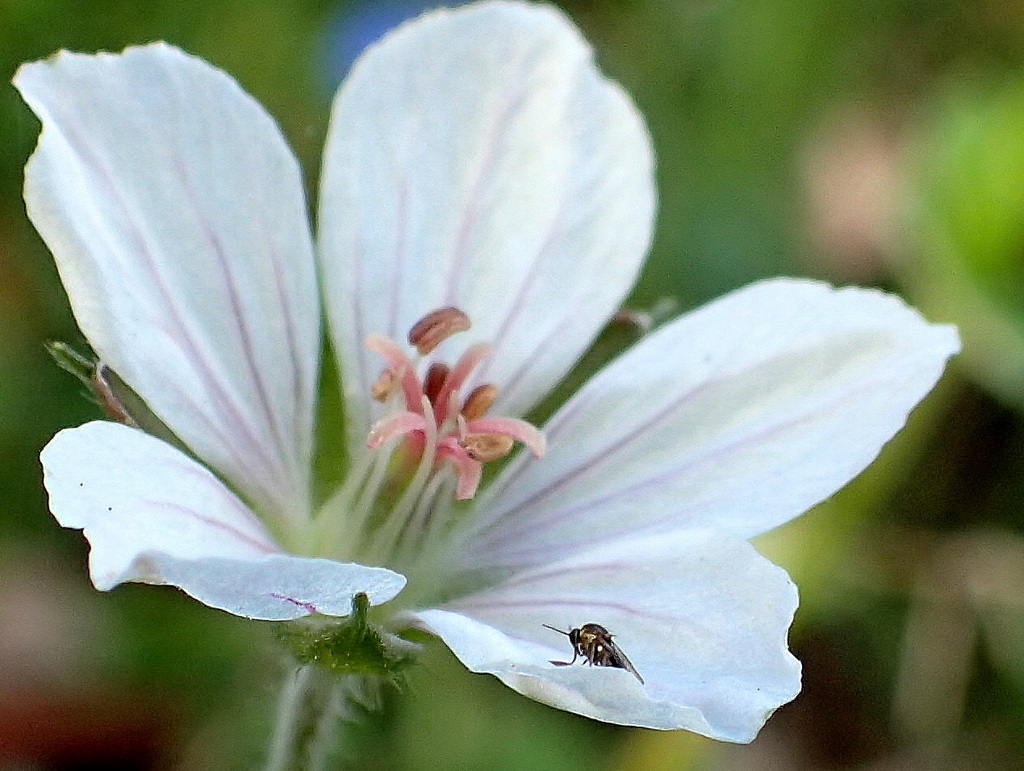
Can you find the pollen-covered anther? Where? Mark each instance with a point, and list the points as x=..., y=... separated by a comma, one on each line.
x=484, y=448
x=385, y=385
x=436, y=327
x=479, y=401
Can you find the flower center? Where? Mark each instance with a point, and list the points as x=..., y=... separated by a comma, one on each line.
x=436, y=420
x=432, y=444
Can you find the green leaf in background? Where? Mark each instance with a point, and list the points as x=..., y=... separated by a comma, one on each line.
x=966, y=207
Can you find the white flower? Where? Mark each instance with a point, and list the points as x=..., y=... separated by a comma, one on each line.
x=476, y=158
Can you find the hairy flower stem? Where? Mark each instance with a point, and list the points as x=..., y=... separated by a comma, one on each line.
x=310, y=709
x=287, y=725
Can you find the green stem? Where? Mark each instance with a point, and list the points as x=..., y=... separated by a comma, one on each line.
x=313, y=704
x=325, y=733
x=286, y=742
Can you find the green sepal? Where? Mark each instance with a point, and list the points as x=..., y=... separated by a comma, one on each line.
x=352, y=646
x=103, y=384
x=106, y=389
x=70, y=360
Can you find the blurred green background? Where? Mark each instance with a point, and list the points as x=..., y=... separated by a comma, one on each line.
x=879, y=142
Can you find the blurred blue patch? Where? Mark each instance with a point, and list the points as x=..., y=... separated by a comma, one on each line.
x=362, y=22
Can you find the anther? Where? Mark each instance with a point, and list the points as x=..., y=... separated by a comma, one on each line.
x=436, y=327
x=385, y=385
x=479, y=401
x=486, y=447
x=432, y=383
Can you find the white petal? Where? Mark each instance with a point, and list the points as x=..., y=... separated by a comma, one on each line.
x=177, y=217
x=738, y=416
x=477, y=158
x=701, y=616
x=153, y=515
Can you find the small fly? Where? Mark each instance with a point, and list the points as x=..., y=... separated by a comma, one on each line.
x=594, y=644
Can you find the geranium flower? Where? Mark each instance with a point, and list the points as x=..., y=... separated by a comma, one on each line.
x=478, y=165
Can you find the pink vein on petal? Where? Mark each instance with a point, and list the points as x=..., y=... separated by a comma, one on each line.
x=518, y=303
x=251, y=540
x=307, y=606
x=179, y=331
x=585, y=464
x=271, y=416
x=557, y=424
x=488, y=158
x=362, y=377
x=401, y=254
x=534, y=602
x=301, y=388
x=692, y=463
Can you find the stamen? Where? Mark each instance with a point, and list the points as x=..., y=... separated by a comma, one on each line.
x=486, y=447
x=519, y=430
x=402, y=367
x=440, y=431
x=468, y=471
x=385, y=385
x=431, y=512
x=479, y=401
x=432, y=383
x=436, y=327
x=395, y=425
x=385, y=539
x=457, y=377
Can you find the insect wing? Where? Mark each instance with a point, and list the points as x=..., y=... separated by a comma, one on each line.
x=616, y=658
